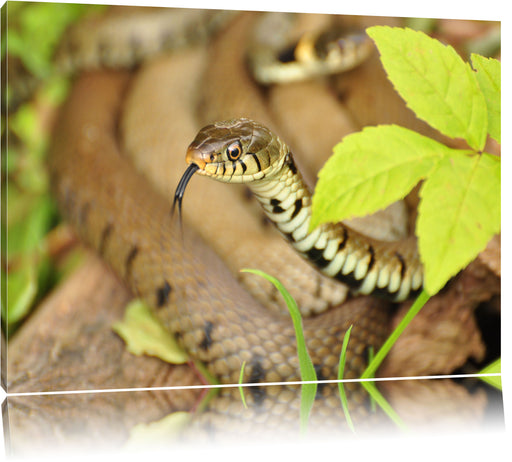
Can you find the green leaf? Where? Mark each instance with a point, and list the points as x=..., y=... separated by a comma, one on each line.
x=459, y=212
x=159, y=432
x=435, y=82
x=488, y=74
x=144, y=334
x=366, y=172
x=21, y=292
x=493, y=368
x=28, y=220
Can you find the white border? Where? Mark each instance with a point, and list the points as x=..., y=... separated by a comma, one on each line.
x=414, y=447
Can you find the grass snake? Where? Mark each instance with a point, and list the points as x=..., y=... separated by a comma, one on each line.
x=121, y=215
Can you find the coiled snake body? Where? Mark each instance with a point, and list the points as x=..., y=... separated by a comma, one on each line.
x=119, y=213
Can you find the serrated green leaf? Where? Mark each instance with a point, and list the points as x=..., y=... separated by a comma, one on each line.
x=366, y=172
x=488, y=74
x=459, y=212
x=144, y=334
x=434, y=81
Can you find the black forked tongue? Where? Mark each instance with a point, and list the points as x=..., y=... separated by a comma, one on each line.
x=180, y=190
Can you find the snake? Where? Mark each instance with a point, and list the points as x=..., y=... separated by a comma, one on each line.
x=243, y=151
x=277, y=58
x=128, y=222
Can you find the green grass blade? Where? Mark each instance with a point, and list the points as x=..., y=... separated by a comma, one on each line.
x=384, y=405
x=240, y=387
x=371, y=355
x=341, y=370
x=307, y=370
x=384, y=350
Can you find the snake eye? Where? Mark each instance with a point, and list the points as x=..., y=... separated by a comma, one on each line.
x=234, y=150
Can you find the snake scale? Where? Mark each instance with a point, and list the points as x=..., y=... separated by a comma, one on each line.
x=121, y=215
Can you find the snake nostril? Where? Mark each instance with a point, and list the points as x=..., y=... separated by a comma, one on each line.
x=195, y=156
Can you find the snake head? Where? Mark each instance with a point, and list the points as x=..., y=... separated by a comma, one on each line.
x=236, y=151
x=233, y=151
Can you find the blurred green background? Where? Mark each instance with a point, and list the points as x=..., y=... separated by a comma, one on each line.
x=31, y=94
